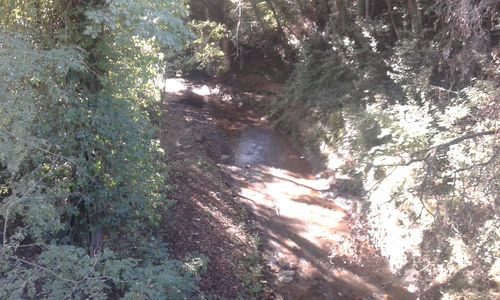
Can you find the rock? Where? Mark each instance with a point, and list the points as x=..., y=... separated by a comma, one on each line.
x=274, y=265
x=286, y=264
x=286, y=276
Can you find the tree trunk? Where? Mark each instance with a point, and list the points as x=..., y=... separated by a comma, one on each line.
x=416, y=18
x=281, y=32
x=360, y=9
x=391, y=17
x=342, y=13
x=96, y=239
x=225, y=44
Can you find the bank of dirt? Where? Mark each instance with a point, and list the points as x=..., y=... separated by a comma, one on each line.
x=249, y=200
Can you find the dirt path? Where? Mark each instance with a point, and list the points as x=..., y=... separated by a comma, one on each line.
x=313, y=245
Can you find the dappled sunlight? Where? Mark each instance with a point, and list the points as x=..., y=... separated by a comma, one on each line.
x=244, y=149
x=174, y=85
x=289, y=196
x=295, y=210
x=178, y=85
x=205, y=90
x=389, y=218
x=300, y=226
x=310, y=182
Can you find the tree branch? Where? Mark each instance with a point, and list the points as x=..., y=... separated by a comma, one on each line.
x=429, y=157
x=463, y=138
x=481, y=164
x=439, y=147
x=40, y=267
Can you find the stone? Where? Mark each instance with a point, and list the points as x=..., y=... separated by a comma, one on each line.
x=286, y=276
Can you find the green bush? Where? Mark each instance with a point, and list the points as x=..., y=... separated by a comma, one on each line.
x=83, y=179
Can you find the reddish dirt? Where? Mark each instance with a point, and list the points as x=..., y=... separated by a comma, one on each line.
x=205, y=218
x=315, y=246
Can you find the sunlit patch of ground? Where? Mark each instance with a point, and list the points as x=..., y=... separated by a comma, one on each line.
x=308, y=237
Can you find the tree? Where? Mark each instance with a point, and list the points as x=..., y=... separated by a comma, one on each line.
x=81, y=174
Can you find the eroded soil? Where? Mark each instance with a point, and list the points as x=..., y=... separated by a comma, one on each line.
x=238, y=176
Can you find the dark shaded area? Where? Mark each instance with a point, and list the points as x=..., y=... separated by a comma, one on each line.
x=193, y=100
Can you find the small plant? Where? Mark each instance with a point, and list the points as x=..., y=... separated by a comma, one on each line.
x=196, y=264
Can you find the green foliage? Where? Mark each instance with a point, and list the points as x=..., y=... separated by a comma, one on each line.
x=425, y=154
x=207, y=47
x=147, y=19
x=78, y=158
x=66, y=131
x=46, y=22
x=205, y=50
x=74, y=274
x=197, y=264
x=139, y=37
x=253, y=277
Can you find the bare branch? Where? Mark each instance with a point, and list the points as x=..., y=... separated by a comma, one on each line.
x=463, y=138
x=439, y=147
x=481, y=164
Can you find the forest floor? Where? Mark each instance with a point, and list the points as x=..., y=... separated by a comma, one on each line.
x=248, y=200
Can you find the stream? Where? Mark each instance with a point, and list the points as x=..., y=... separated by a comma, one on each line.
x=311, y=240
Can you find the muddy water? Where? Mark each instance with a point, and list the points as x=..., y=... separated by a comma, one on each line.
x=309, y=238
x=261, y=146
